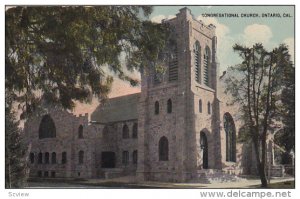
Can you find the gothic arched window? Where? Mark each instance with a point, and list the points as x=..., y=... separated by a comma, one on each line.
x=163, y=148
x=169, y=106
x=80, y=132
x=229, y=128
x=206, y=65
x=200, y=106
x=135, y=130
x=156, y=107
x=197, y=62
x=125, y=133
x=47, y=128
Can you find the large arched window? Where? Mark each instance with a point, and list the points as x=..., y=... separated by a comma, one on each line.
x=135, y=130
x=80, y=157
x=46, y=158
x=200, y=106
x=80, y=132
x=197, y=58
x=163, y=148
x=125, y=133
x=206, y=65
x=229, y=128
x=64, y=157
x=53, y=158
x=47, y=128
x=156, y=107
x=169, y=106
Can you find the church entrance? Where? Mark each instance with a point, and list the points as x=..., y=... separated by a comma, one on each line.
x=204, y=149
x=108, y=159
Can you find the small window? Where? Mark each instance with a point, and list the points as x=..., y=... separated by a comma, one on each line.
x=169, y=106
x=156, y=108
x=53, y=174
x=208, y=108
x=125, y=158
x=80, y=157
x=135, y=130
x=53, y=158
x=200, y=106
x=40, y=158
x=64, y=157
x=39, y=174
x=80, y=132
x=125, y=133
x=163, y=149
x=31, y=158
x=134, y=157
x=46, y=158
x=46, y=174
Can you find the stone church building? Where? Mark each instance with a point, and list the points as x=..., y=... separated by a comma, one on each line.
x=179, y=128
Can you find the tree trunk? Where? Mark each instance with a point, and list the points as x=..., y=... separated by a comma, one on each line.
x=262, y=175
x=259, y=165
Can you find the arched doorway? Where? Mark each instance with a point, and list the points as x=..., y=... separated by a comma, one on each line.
x=204, y=149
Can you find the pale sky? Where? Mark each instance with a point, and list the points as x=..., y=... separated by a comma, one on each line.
x=270, y=31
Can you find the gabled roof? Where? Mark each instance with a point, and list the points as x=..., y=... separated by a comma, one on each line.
x=117, y=109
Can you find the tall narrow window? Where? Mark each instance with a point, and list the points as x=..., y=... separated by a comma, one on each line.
x=64, y=157
x=163, y=148
x=40, y=158
x=156, y=107
x=125, y=158
x=80, y=157
x=31, y=157
x=200, y=106
x=229, y=128
x=208, y=108
x=173, y=65
x=125, y=133
x=80, y=132
x=197, y=62
x=53, y=158
x=206, y=65
x=134, y=157
x=135, y=130
x=46, y=158
x=169, y=106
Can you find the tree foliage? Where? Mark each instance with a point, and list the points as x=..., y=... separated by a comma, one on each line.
x=258, y=85
x=59, y=53
x=15, y=150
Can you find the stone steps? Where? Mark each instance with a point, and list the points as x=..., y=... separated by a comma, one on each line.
x=215, y=176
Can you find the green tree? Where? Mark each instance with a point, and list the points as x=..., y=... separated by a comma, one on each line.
x=59, y=53
x=256, y=85
x=15, y=150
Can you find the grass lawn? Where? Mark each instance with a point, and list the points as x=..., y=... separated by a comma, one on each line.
x=279, y=185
